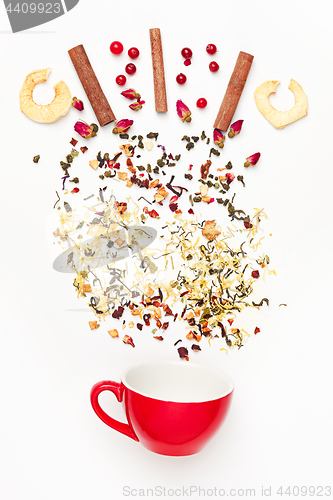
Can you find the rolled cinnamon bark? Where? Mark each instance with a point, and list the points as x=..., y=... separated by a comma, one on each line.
x=158, y=70
x=91, y=85
x=234, y=91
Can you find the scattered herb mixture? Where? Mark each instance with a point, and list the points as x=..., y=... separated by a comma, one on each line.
x=203, y=274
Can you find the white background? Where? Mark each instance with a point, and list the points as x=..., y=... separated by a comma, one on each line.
x=279, y=429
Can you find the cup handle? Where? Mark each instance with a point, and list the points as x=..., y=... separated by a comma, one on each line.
x=117, y=389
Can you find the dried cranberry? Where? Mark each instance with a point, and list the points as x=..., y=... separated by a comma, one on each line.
x=213, y=66
x=187, y=53
x=116, y=48
x=133, y=52
x=211, y=48
x=130, y=68
x=121, y=79
x=181, y=79
x=201, y=103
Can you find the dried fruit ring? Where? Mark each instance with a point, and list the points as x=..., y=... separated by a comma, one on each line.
x=48, y=113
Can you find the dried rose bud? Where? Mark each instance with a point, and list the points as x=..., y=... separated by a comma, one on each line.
x=83, y=129
x=252, y=160
x=128, y=340
x=183, y=111
x=230, y=177
x=122, y=126
x=136, y=105
x=77, y=104
x=130, y=94
x=255, y=274
x=235, y=128
x=218, y=138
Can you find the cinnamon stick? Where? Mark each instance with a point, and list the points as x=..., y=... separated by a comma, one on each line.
x=91, y=85
x=234, y=91
x=158, y=70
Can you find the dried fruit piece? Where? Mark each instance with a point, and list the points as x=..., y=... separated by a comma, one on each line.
x=114, y=333
x=209, y=230
x=235, y=128
x=41, y=113
x=252, y=160
x=183, y=111
x=93, y=325
x=279, y=119
x=128, y=340
x=36, y=159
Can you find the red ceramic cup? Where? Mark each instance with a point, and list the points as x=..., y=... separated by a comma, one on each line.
x=171, y=408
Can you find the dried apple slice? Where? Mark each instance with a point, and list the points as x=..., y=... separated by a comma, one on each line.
x=41, y=113
x=279, y=119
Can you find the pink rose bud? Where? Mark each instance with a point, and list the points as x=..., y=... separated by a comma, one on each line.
x=218, y=138
x=122, y=126
x=183, y=111
x=77, y=104
x=83, y=129
x=136, y=105
x=252, y=160
x=130, y=94
x=235, y=128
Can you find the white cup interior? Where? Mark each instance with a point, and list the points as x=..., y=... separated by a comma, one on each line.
x=181, y=382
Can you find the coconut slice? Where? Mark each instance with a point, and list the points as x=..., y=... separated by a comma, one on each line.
x=48, y=113
x=280, y=119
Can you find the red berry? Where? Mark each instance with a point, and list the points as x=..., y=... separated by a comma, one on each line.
x=202, y=102
x=187, y=53
x=121, y=79
x=133, y=52
x=213, y=66
x=116, y=48
x=211, y=48
x=130, y=68
x=181, y=79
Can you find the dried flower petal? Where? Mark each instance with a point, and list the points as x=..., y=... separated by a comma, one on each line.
x=218, y=138
x=235, y=128
x=75, y=190
x=183, y=111
x=252, y=160
x=77, y=104
x=122, y=126
x=230, y=177
x=183, y=353
x=130, y=94
x=83, y=129
x=128, y=340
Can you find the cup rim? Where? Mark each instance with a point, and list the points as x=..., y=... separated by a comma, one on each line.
x=188, y=363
